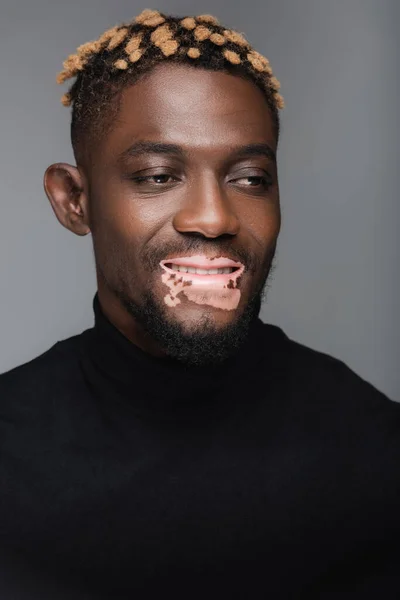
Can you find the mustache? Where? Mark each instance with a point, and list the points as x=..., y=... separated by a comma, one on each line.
x=152, y=255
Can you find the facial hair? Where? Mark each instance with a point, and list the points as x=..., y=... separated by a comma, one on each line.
x=206, y=345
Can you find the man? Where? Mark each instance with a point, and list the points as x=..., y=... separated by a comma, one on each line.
x=181, y=445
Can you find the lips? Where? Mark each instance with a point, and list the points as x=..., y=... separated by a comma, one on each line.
x=220, y=280
x=202, y=262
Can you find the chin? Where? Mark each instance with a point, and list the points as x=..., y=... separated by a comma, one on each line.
x=193, y=334
x=200, y=335
x=195, y=316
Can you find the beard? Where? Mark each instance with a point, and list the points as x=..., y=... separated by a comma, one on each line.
x=205, y=344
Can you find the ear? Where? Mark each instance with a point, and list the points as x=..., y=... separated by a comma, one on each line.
x=65, y=190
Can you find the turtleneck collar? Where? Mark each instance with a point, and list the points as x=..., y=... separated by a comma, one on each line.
x=117, y=369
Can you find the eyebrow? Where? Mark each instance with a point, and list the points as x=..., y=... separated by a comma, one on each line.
x=143, y=147
x=257, y=150
x=146, y=147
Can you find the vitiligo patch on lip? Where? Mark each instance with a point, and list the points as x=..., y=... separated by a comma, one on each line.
x=219, y=292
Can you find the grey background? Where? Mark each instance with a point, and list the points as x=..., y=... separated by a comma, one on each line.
x=336, y=284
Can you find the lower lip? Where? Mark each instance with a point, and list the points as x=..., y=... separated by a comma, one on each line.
x=220, y=279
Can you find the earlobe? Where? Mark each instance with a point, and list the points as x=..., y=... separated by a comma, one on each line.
x=65, y=190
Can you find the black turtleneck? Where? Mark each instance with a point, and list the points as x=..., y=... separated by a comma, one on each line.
x=122, y=475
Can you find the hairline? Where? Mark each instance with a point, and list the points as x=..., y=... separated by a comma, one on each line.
x=82, y=152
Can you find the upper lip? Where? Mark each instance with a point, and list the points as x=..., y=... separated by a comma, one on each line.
x=202, y=262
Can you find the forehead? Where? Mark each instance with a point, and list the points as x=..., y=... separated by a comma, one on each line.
x=193, y=107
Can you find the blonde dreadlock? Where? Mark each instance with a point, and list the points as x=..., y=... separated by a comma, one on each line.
x=122, y=53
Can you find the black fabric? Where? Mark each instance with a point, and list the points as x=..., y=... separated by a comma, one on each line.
x=123, y=475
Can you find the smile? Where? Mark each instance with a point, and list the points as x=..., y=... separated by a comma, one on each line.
x=201, y=270
x=198, y=271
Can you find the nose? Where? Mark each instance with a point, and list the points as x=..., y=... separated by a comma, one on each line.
x=206, y=210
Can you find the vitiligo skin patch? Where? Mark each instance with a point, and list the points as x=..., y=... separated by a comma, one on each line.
x=218, y=290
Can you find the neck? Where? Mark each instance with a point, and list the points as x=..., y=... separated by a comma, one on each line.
x=118, y=370
x=121, y=319
x=147, y=329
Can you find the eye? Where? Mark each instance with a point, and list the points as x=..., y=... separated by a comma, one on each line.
x=157, y=180
x=254, y=181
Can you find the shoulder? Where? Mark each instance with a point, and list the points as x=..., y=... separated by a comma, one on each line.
x=52, y=371
x=323, y=379
x=347, y=422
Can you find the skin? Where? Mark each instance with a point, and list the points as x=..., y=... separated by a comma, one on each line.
x=209, y=199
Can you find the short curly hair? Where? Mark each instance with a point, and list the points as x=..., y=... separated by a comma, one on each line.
x=121, y=55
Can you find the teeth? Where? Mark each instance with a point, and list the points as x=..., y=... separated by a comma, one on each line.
x=183, y=269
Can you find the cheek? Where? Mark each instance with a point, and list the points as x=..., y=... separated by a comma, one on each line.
x=127, y=216
x=264, y=223
x=124, y=227
x=116, y=237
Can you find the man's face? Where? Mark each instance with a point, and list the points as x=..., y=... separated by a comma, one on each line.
x=188, y=170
